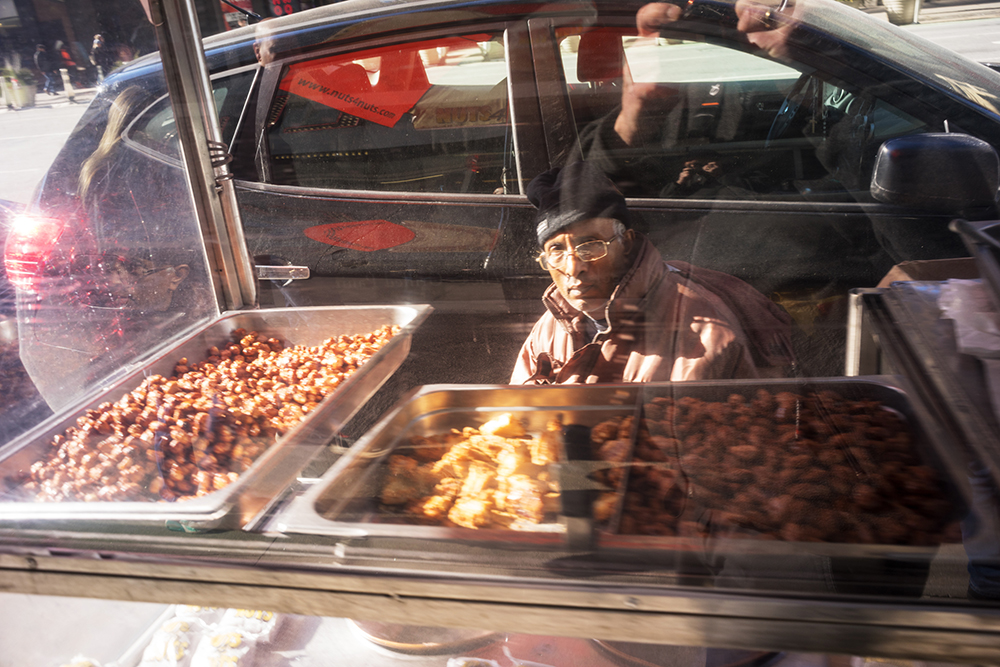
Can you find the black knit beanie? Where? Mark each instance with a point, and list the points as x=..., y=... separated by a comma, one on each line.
x=578, y=191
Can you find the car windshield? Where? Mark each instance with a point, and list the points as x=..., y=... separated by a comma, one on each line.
x=939, y=66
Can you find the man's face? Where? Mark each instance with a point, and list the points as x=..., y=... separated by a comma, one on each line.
x=588, y=285
x=264, y=50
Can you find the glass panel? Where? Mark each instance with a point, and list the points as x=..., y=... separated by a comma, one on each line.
x=429, y=116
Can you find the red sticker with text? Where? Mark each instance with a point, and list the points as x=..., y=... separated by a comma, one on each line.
x=381, y=89
x=379, y=85
x=364, y=235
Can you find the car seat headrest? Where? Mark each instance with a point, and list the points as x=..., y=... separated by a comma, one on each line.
x=600, y=56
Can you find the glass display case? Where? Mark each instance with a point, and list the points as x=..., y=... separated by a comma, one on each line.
x=270, y=296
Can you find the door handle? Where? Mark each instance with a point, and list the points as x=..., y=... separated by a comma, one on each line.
x=266, y=272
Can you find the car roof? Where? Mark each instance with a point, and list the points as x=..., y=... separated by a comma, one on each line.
x=322, y=25
x=351, y=20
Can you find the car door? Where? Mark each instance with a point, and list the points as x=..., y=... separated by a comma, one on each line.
x=391, y=171
x=755, y=166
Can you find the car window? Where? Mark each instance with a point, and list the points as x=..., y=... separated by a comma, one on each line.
x=155, y=127
x=717, y=122
x=427, y=116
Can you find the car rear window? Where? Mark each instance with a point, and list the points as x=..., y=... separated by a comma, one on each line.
x=428, y=116
x=155, y=128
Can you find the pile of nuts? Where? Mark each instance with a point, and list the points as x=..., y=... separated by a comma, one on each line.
x=494, y=476
x=196, y=432
x=779, y=466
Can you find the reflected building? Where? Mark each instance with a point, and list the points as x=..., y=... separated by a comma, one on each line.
x=25, y=23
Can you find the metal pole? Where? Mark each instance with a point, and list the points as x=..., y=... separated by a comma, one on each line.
x=186, y=74
x=67, y=84
x=861, y=355
x=3, y=93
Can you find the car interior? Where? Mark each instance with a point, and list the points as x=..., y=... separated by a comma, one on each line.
x=783, y=135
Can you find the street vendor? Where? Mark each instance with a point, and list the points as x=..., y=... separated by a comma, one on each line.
x=617, y=312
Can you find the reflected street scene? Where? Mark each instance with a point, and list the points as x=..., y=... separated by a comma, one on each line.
x=484, y=334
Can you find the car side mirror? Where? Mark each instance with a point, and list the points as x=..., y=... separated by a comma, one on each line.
x=941, y=172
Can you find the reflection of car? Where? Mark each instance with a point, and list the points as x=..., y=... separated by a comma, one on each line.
x=20, y=407
x=8, y=210
x=384, y=152
x=897, y=11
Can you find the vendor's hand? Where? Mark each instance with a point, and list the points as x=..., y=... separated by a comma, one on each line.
x=643, y=102
x=655, y=16
x=765, y=26
x=642, y=107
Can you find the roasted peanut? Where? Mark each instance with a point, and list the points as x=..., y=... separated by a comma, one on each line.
x=201, y=427
x=814, y=467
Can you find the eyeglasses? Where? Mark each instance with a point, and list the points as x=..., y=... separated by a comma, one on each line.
x=590, y=251
x=110, y=263
x=109, y=280
x=143, y=272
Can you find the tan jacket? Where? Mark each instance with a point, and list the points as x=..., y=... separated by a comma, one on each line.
x=667, y=322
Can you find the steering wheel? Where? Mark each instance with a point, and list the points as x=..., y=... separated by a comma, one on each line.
x=789, y=109
x=848, y=142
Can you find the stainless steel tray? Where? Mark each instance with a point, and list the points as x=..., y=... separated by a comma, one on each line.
x=343, y=503
x=272, y=473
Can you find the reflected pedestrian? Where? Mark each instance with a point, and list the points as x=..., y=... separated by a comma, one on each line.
x=45, y=65
x=101, y=54
x=263, y=46
x=62, y=56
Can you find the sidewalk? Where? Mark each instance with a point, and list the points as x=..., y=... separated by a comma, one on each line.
x=956, y=10
x=941, y=11
x=81, y=96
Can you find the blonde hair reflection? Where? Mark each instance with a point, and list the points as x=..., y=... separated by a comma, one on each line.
x=119, y=112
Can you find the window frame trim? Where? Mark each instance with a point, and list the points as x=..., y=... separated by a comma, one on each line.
x=163, y=158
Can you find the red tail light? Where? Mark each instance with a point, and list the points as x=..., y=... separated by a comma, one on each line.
x=30, y=243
